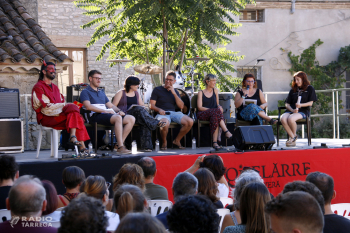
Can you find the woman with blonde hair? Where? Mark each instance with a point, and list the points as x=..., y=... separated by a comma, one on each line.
x=210, y=110
x=129, y=173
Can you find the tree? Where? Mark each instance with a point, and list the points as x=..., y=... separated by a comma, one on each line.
x=137, y=29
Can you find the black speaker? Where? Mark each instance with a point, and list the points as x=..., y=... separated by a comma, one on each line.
x=73, y=92
x=254, y=137
x=11, y=135
x=9, y=103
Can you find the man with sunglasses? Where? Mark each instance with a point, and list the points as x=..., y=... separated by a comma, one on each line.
x=164, y=99
x=104, y=112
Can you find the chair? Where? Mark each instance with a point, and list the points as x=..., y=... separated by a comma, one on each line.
x=306, y=122
x=199, y=122
x=222, y=213
x=54, y=141
x=159, y=206
x=342, y=209
x=5, y=213
x=97, y=127
x=226, y=201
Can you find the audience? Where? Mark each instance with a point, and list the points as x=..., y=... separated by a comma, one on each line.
x=308, y=187
x=129, y=198
x=97, y=187
x=153, y=191
x=332, y=222
x=8, y=174
x=252, y=203
x=295, y=211
x=26, y=201
x=192, y=214
x=207, y=186
x=72, y=177
x=84, y=215
x=129, y=173
x=184, y=184
x=51, y=199
x=140, y=223
x=234, y=218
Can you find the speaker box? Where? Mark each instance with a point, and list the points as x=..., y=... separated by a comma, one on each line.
x=73, y=92
x=254, y=137
x=11, y=136
x=9, y=103
x=225, y=102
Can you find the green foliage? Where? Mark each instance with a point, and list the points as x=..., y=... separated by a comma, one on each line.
x=135, y=30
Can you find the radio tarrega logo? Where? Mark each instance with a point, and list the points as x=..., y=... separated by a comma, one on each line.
x=31, y=221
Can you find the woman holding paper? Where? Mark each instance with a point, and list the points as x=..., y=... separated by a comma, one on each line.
x=129, y=101
x=301, y=96
x=250, y=102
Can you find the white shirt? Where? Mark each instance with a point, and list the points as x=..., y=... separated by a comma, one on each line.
x=223, y=190
x=113, y=220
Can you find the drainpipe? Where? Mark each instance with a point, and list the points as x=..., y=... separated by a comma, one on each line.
x=293, y=7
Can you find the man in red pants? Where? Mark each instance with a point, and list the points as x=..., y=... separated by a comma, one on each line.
x=51, y=111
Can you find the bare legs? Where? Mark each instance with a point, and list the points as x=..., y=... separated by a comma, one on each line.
x=289, y=123
x=263, y=115
x=120, y=133
x=186, y=123
x=72, y=133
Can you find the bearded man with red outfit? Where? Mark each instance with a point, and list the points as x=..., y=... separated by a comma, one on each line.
x=51, y=111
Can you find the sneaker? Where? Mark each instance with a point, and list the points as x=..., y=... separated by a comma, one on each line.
x=123, y=151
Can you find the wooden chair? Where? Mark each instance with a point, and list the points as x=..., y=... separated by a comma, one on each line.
x=306, y=122
x=199, y=122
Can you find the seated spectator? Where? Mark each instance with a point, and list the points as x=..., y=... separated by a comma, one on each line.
x=129, y=198
x=8, y=174
x=72, y=177
x=308, y=187
x=153, y=191
x=215, y=164
x=140, y=223
x=97, y=187
x=252, y=203
x=192, y=214
x=234, y=218
x=295, y=211
x=184, y=184
x=129, y=173
x=26, y=201
x=207, y=186
x=51, y=199
x=84, y=214
x=332, y=222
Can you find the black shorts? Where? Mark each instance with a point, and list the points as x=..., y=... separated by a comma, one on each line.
x=101, y=119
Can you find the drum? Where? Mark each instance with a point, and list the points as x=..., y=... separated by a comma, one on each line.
x=187, y=102
x=179, y=80
x=147, y=92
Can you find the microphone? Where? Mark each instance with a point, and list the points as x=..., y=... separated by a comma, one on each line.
x=247, y=90
x=5, y=38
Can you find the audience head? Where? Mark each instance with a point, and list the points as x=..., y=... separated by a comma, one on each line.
x=27, y=197
x=8, y=168
x=324, y=183
x=245, y=178
x=215, y=164
x=72, y=177
x=206, y=184
x=148, y=166
x=191, y=214
x=97, y=187
x=51, y=197
x=129, y=198
x=209, y=77
x=184, y=184
x=130, y=81
x=305, y=82
x=140, y=223
x=252, y=78
x=254, y=197
x=129, y=173
x=308, y=187
x=84, y=214
x=296, y=210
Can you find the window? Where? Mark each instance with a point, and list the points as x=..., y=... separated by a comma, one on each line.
x=75, y=73
x=252, y=16
x=347, y=85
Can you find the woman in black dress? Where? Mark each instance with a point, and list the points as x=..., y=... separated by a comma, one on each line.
x=295, y=111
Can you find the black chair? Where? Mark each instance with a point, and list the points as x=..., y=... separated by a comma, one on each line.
x=306, y=122
x=97, y=127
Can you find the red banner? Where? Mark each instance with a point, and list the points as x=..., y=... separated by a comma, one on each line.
x=277, y=168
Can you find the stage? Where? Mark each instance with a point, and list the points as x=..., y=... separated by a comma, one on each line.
x=277, y=167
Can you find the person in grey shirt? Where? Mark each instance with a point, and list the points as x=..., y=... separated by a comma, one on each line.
x=153, y=191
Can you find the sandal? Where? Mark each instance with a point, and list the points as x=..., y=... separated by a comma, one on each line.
x=179, y=147
x=75, y=142
x=161, y=124
x=272, y=121
x=84, y=152
x=218, y=148
x=163, y=148
x=226, y=136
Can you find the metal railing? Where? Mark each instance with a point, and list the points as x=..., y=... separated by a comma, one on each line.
x=335, y=108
